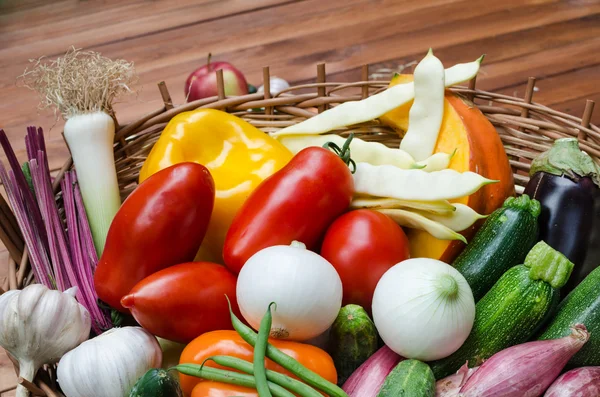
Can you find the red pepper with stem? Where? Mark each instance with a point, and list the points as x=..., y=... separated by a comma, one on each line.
x=162, y=223
x=299, y=202
x=193, y=293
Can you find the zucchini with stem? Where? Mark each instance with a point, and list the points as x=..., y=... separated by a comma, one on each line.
x=512, y=310
x=502, y=242
x=581, y=306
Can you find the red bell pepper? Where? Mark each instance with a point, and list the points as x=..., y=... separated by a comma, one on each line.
x=297, y=203
x=193, y=293
x=162, y=223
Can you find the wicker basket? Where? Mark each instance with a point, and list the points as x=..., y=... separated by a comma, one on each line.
x=525, y=127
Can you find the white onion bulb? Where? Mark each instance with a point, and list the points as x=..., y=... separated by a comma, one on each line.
x=304, y=285
x=423, y=309
x=276, y=85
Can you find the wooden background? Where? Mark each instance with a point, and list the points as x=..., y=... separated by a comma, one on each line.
x=557, y=41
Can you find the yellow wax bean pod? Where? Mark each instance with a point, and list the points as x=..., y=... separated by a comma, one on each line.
x=415, y=185
x=437, y=162
x=459, y=220
x=441, y=207
x=368, y=152
x=360, y=151
x=417, y=221
x=426, y=113
x=355, y=112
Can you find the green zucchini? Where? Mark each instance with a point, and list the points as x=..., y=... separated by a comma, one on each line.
x=502, y=242
x=581, y=306
x=512, y=310
x=352, y=340
x=410, y=378
x=156, y=383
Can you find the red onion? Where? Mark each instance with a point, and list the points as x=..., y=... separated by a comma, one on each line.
x=368, y=378
x=580, y=382
x=525, y=370
x=450, y=385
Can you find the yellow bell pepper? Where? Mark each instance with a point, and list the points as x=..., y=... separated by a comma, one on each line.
x=238, y=155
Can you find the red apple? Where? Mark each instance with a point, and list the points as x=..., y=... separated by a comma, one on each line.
x=202, y=83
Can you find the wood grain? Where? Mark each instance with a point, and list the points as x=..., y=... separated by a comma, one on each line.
x=555, y=40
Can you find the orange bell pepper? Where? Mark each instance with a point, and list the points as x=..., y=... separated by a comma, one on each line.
x=217, y=389
x=229, y=343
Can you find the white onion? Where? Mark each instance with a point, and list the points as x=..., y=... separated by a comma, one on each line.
x=304, y=285
x=276, y=85
x=423, y=309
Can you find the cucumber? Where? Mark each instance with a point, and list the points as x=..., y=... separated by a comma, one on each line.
x=581, y=306
x=502, y=242
x=512, y=310
x=410, y=378
x=352, y=340
x=156, y=383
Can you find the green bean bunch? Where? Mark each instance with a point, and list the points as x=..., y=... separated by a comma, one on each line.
x=268, y=383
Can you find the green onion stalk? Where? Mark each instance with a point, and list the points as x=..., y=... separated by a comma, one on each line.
x=82, y=86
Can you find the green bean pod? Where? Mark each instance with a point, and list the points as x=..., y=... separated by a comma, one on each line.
x=230, y=377
x=287, y=362
x=299, y=388
x=260, y=373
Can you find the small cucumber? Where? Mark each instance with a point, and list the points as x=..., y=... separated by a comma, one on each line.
x=352, y=340
x=581, y=306
x=156, y=383
x=502, y=242
x=512, y=310
x=410, y=378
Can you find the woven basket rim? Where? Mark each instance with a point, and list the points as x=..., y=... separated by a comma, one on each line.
x=525, y=127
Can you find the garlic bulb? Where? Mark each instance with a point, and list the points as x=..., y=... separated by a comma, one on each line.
x=110, y=364
x=276, y=85
x=39, y=325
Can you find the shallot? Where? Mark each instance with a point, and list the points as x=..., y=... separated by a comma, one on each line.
x=579, y=382
x=367, y=380
x=525, y=370
x=450, y=385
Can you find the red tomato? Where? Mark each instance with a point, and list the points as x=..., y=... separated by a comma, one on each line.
x=161, y=223
x=362, y=245
x=184, y=301
x=298, y=203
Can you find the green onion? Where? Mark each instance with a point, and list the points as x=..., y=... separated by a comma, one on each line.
x=82, y=85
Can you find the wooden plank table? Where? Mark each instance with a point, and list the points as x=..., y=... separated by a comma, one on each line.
x=558, y=41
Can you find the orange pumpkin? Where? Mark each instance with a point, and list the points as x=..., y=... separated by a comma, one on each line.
x=229, y=343
x=478, y=149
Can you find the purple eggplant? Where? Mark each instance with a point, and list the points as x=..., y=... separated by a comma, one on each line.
x=566, y=182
